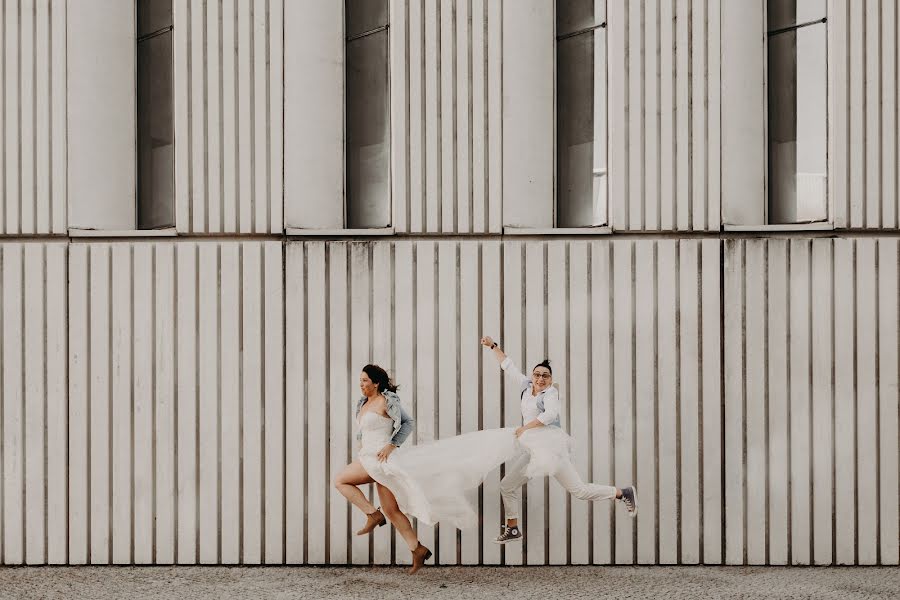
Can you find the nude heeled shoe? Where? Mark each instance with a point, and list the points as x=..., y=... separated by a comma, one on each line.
x=419, y=556
x=373, y=520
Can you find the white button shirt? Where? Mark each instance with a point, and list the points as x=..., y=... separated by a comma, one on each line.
x=529, y=404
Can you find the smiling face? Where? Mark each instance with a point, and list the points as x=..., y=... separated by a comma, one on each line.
x=541, y=379
x=368, y=388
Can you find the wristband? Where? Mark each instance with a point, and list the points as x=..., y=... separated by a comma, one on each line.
x=494, y=345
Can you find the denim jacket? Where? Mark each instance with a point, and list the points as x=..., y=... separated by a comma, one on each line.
x=403, y=423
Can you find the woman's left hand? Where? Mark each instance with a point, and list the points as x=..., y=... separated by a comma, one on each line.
x=385, y=452
x=521, y=430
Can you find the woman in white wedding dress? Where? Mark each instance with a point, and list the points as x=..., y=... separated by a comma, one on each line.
x=431, y=481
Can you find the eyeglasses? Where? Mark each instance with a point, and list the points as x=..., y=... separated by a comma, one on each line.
x=542, y=375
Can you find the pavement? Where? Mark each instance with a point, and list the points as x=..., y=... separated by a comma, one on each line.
x=447, y=583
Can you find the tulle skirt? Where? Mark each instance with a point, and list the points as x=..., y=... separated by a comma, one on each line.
x=436, y=481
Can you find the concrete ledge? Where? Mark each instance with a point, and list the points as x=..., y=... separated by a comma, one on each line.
x=784, y=227
x=124, y=233
x=296, y=232
x=600, y=230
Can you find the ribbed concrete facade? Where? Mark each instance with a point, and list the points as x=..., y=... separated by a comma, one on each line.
x=187, y=398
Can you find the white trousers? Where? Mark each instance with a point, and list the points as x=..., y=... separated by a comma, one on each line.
x=567, y=476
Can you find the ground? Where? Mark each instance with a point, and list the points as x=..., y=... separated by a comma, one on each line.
x=446, y=583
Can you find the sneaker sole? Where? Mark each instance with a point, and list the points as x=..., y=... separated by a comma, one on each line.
x=501, y=542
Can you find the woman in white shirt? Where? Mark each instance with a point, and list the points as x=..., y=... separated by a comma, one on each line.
x=547, y=449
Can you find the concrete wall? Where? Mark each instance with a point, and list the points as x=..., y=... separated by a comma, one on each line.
x=33, y=117
x=189, y=399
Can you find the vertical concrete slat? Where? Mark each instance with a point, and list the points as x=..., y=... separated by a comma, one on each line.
x=274, y=426
x=41, y=65
x=558, y=532
x=651, y=106
x=416, y=117
x=602, y=398
x=887, y=401
x=578, y=395
x=634, y=109
x=480, y=86
x=844, y=413
x=655, y=323
x=447, y=111
x=208, y=415
x=888, y=102
x=867, y=334
x=251, y=333
x=123, y=365
x=447, y=352
x=822, y=400
x=667, y=216
x=463, y=132
x=164, y=401
x=711, y=311
x=470, y=302
x=13, y=405
x=246, y=192
x=232, y=147
x=339, y=398
x=689, y=319
x=100, y=419
x=733, y=452
x=181, y=114
x=275, y=148
x=216, y=142
x=34, y=403
x=800, y=393
x=399, y=34
x=144, y=374
x=778, y=421
x=232, y=468
x=295, y=438
x=59, y=476
x=856, y=111
x=495, y=115
x=262, y=207
x=78, y=448
x=874, y=195
x=424, y=266
x=186, y=315
x=431, y=120
x=199, y=88
x=755, y=402
x=623, y=315
x=26, y=141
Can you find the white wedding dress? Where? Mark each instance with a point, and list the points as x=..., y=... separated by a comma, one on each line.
x=435, y=481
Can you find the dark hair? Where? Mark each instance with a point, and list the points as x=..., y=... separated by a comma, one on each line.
x=544, y=363
x=380, y=378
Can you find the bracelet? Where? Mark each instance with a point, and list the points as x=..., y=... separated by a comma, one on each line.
x=494, y=345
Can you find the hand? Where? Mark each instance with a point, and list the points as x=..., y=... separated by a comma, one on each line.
x=487, y=341
x=385, y=452
x=521, y=430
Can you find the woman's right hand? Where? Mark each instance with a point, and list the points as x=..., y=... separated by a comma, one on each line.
x=487, y=341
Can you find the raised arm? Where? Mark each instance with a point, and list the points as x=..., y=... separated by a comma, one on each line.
x=513, y=374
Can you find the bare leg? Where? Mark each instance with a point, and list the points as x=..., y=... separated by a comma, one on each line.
x=346, y=481
x=396, y=517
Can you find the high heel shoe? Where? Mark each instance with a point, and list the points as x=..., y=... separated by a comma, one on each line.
x=419, y=556
x=373, y=520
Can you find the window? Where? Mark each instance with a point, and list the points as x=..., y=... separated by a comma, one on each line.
x=368, y=183
x=797, y=111
x=155, y=134
x=581, y=182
